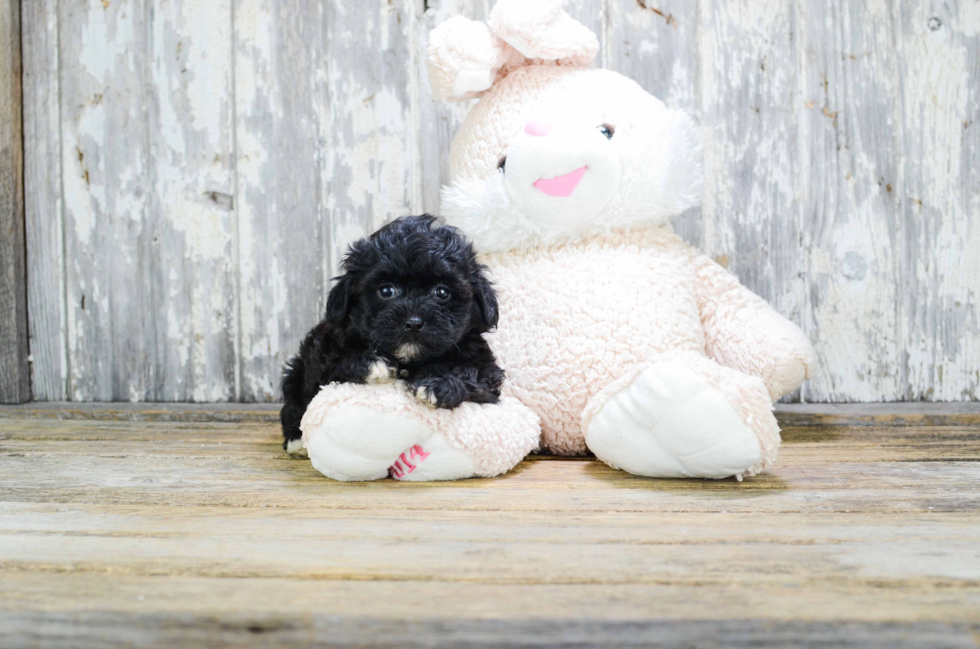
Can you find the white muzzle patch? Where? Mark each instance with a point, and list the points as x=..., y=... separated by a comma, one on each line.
x=408, y=352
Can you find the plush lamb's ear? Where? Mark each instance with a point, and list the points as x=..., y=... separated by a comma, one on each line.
x=464, y=58
x=541, y=29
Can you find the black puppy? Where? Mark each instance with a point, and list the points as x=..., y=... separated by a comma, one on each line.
x=412, y=303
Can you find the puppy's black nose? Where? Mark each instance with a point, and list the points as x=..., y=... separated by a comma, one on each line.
x=414, y=323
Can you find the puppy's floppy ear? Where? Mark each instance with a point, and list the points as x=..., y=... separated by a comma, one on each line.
x=340, y=298
x=485, y=313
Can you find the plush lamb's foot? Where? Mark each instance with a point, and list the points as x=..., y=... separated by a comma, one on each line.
x=683, y=415
x=360, y=443
x=368, y=432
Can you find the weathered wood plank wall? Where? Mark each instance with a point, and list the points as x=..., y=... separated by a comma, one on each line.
x=14, y=372
x=194, y=171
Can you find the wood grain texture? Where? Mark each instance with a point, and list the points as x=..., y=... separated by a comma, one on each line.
x=939, y=65
x=180, y=533
x=186, y=208
x=439, y=120
x=325, y=630
x=791, y=416
x=372, y=171
x=855, y=242
x=15, y=385
x=43, y=201
x=147, y=175
x=107, y=186
x=281, y=130
x=191, y=307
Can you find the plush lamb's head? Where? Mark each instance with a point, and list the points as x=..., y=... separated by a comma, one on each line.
x=554, y=149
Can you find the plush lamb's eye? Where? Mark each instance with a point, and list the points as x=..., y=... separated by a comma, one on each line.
x=607, y=130
x=388, y=291
x=502, y=164
x=441, y=293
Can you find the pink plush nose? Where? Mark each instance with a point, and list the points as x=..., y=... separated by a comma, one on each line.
x=538, y=127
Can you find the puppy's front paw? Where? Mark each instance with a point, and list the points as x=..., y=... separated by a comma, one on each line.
x=381, y=372
x=296, y=449
x=439, y=392
x=426, y=396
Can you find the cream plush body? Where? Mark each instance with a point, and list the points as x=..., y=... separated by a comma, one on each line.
x=616, y=336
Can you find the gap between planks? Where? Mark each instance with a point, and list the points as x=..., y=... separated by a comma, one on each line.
x=789, y=415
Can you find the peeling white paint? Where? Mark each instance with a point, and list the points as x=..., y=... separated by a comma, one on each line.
x=193, y=195
x=106, y=38
x=204, y=36
x=206, y=229
x=969, y=19
x=941, y=99
x=84, y=199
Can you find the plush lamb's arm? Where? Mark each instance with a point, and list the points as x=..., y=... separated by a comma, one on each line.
x=743, y=332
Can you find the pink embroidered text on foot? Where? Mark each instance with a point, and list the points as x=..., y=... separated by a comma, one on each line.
x=404, y=464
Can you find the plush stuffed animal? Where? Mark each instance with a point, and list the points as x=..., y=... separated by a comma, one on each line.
x=616, y=335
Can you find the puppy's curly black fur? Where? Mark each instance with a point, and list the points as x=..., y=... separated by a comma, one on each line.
x=412, y=304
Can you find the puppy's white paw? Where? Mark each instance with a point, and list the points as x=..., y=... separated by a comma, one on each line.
x=381, y=372
x=295, y=449
x=426, y=397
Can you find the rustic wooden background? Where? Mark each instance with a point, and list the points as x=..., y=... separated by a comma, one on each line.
x=14, y=368
x=194, y=168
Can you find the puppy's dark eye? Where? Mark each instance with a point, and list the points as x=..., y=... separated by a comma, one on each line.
x=441, y=293
x=388, y=291
x=607, y=130
x=502, y=164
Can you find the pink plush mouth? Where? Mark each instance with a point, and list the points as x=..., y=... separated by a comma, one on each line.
x=562, y=186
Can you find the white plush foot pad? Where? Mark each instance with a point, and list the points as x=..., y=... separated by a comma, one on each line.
x=347, y=449
x=670, y=423
x=359, y=443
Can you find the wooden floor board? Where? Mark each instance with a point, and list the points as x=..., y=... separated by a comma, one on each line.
x=162, y=531
x=789, y=414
